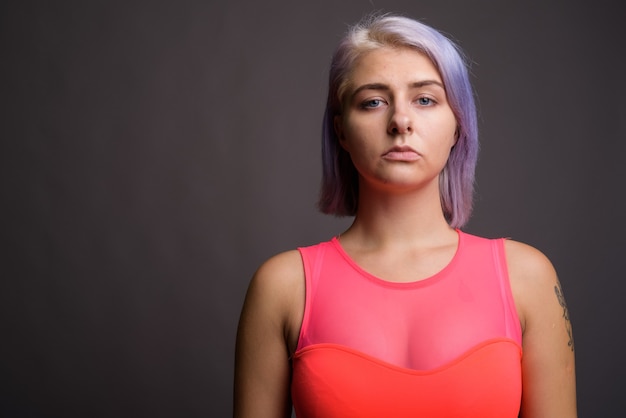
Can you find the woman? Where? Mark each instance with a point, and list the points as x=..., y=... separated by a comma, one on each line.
x=403, y=314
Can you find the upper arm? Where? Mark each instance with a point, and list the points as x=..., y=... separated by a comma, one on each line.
x=548, y=376
x=267, y=325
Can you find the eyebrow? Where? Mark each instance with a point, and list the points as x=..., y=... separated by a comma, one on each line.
x=381, y=86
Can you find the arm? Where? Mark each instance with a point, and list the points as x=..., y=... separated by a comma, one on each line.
x=548, y=376
x=268, y=331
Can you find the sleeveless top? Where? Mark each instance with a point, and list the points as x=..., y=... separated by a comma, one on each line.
x=445, y=346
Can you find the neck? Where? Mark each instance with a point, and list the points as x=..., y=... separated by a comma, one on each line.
x=403, y=219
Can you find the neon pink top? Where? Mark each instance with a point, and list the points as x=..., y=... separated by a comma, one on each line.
x=445, y=346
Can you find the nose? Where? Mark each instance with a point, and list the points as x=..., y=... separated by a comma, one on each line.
x=400, y=121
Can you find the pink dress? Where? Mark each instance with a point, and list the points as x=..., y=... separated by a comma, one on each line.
x=445, y=346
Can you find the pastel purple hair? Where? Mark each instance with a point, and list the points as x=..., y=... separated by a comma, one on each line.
x=339, y=192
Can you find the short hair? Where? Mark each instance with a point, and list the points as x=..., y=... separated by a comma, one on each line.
x=339, y=190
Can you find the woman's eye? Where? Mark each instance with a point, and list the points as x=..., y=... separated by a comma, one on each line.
x=372, y=103
x=425, y=101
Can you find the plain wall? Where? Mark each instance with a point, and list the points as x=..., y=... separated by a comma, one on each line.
x=155, y=153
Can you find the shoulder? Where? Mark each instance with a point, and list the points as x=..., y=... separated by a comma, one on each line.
x=281, y=263
x=279, y=276
x=526, y=262
x=533, y=279
x=266, y=336
x=549, y=383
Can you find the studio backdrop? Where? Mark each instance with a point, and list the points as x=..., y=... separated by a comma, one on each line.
x=155, y=153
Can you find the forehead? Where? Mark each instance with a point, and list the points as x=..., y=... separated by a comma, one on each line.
x=392, y=65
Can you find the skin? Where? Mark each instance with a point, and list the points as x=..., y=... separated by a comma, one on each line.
x=399, y=129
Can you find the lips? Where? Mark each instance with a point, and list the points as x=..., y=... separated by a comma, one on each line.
x=404, y=153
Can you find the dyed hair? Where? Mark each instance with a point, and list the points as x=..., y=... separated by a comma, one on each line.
x=339, y=192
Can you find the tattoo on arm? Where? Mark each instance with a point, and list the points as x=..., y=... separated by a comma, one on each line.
x=568, y=325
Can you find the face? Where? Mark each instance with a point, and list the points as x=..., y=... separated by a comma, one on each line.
x=396, y=122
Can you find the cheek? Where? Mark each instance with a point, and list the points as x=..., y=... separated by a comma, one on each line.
x=450, y=134
x=442, y=144
x=350, y=136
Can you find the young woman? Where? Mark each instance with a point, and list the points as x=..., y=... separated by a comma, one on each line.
x=403, y=314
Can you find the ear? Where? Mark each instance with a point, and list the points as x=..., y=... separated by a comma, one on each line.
x=338, y=125
x=457, y=134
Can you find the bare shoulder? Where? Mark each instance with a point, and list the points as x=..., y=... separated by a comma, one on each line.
x=266, y=336
x=527, y=264
x=278, y=280
x=549, y=382
x=533, y=279
x=282, y=270
x=275, y=296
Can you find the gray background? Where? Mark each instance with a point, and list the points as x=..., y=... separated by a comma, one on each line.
x=154, y=154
